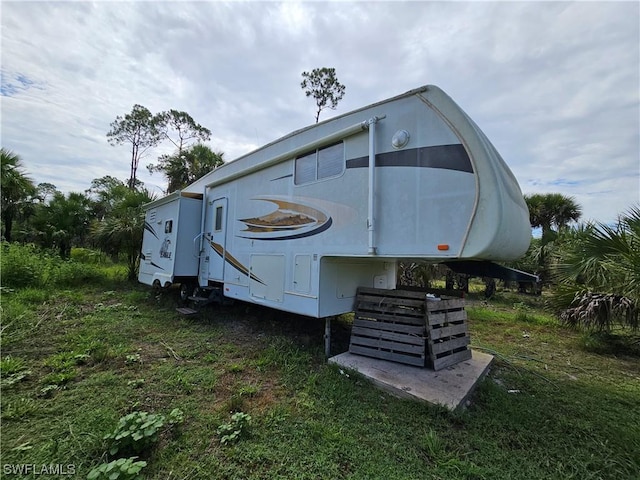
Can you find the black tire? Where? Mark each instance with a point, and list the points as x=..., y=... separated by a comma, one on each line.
x=186, y=290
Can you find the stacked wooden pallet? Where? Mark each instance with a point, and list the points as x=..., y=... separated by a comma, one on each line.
x=406, y=326
x=446, y=322
x=389, y=324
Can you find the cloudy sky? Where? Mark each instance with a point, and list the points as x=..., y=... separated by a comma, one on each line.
x=555, y=86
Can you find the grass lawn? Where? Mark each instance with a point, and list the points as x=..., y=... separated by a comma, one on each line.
x=555, y=404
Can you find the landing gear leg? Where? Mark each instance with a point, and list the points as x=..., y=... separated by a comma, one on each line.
x=327, y=337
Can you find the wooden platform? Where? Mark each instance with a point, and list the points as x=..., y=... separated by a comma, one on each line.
x=449, y=387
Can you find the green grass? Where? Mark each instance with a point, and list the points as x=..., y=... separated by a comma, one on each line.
x=550, y=408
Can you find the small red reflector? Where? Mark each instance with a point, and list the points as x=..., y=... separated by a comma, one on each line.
x=443, y=246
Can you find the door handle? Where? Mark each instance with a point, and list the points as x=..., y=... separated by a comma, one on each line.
x=197, y=252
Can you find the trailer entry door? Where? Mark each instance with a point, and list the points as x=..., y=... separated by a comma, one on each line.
x=217, y=239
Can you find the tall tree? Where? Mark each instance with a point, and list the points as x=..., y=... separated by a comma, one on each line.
x=44, y=191
x=106, y=193
x=139, y=128
x=184, y=168
x=122, y=230
x=181, y=129
x=552, y=212
x=549, y=210
x=16, y=189
x=322, y=84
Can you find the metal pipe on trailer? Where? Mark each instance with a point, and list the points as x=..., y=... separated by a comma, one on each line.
x=371, y=227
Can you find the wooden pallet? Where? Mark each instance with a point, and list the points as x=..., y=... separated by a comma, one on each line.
x=390, y=325
x=448, y=340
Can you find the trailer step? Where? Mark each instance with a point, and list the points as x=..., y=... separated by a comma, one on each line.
x=186, y=311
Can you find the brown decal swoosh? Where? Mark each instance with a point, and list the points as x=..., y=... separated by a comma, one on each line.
x=231, y=260
x=289, y=217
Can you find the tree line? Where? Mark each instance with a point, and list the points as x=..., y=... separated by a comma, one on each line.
x=109, y=214
x=141, y=130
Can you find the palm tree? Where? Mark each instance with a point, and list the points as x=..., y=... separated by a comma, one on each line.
x=16, y=189
x=186, y=166
x=63, y=222
x=599, y=277
x=121, y=231
x=548, y=210
x=552, y=212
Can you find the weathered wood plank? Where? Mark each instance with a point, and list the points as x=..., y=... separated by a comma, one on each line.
x=449, y=304
x=386, y=335
x=388, y=345
x=446, y=317
x=391, y=327
x=449, y=345
x=388, y=308
x=392, y=356
x=390, y=300
x=392, y=293
x=455, y=329
x=383, y=317
x=440, y=363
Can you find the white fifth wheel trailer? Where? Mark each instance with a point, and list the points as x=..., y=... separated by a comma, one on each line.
x=168, y=253
x=300, y=223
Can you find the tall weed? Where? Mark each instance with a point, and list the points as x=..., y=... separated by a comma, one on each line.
x=74, y=274
x=21, y=265
x=28, y=266
x=86, y=255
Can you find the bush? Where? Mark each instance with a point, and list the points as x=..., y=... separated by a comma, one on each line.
x=235, y=429
x=22, y=265
x=138, y=431
x=121, y=469
x=73, y=274
x=28, y=266
x=88, y=256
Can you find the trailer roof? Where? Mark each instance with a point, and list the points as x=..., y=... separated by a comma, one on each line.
x=201, y=183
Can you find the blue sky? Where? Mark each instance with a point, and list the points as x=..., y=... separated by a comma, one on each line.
x=555, y=86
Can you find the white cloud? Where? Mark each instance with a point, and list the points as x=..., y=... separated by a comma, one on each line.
x=555, y=86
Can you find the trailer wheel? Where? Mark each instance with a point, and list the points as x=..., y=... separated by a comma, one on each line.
x=186, y=290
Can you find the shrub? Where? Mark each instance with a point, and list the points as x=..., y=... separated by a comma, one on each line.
x=232, y=431
x=120, y=469
x=73, y=274
x=21, y=265
x=86, y=255
x=598, y=312
x=138, y=431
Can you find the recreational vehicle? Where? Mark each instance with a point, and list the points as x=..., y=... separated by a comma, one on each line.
x=300, y=223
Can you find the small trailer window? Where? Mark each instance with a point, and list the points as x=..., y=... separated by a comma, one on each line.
x=218, y=225
x=321, y=163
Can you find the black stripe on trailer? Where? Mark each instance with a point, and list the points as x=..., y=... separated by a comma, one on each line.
x=449, y=157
